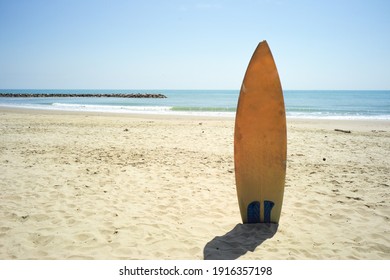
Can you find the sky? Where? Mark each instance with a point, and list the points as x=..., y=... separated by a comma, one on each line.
x=188, y=44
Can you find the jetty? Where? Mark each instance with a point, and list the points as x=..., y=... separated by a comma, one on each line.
x=116, y=95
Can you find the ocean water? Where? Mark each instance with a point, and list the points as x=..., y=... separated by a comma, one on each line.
x=317, y=104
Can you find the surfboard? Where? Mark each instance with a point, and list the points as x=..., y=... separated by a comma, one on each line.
x=260, y=140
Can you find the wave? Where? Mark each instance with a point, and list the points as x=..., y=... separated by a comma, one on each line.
x=203, y=109
x=110, y=108
x=157, y=110
x=299, y=113
x=336, y=116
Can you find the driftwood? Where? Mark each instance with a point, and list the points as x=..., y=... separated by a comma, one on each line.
x=342, y=130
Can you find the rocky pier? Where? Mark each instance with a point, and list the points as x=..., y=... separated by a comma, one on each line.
x=117, y=95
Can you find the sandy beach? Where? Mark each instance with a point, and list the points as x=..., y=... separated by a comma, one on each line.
x=101, y=186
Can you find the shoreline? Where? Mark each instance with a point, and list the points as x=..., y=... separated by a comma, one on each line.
x=81, y=185
x=110, y=114
x=359, y=124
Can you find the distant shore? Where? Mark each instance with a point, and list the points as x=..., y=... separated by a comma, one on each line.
x=117, y=95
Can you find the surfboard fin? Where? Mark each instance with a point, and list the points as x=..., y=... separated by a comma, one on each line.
x=268, y=205
x=253, y=212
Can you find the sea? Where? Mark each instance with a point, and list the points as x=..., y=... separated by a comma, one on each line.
x=305, y=104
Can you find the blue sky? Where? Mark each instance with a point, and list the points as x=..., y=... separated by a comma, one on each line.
x=188, y=44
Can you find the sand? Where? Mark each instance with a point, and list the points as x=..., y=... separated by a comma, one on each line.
x=90, y=186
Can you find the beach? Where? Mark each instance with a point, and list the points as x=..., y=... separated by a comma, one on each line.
x=84, y=185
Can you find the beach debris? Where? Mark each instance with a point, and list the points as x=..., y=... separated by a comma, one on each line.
x=342, y=130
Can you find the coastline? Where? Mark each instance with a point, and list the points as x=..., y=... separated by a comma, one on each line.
x=83, y=185
x=311, y=104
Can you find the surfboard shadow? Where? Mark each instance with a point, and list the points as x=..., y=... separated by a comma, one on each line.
x=237, y=242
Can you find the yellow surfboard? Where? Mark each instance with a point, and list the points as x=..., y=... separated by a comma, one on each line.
x=260, y=141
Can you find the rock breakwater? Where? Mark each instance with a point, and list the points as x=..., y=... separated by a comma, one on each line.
x=117, y=95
